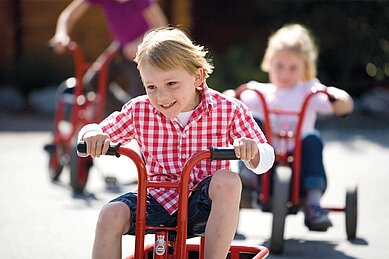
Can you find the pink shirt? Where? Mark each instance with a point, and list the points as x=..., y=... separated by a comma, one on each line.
x=125, y=20
x=167, y=145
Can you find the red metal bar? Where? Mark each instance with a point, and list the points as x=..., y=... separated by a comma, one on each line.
x=335, y=209
x=297, y=150
x=79, y=64
x=141, y=202
x=103, y=83
x=259, y=251
x=182, y=220
x=160, y=228
x=283, y=112
x=202, y=248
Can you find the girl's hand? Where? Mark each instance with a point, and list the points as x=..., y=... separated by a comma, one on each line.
x=97, y=143
x=341, y=101
x=245, y=149
x=59, y=43
x=130, y=49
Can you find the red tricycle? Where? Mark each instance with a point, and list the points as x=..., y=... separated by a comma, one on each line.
x=170, y=242
x=76, y=108
x=280, y=191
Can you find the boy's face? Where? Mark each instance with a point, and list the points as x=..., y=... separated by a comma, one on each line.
x=286, y=69
x=173, y=91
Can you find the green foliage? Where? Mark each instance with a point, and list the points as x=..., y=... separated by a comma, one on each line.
x=234, y=68
x=352, y=38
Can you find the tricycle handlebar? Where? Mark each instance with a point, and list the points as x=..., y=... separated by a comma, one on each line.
x=112, y=150
x=217, y=153
x=222, y=153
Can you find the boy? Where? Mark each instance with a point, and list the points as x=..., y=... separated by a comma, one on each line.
x=179, y=116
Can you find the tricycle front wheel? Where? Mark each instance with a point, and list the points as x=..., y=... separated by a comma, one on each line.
x=79, y=171
x=279, y=206
x=55, y=161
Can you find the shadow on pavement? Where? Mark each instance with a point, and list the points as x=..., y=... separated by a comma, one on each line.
x=301, y=249
x=26, y=121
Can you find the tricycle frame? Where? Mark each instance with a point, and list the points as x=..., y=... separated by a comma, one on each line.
x=177, y=247
x=285, y=160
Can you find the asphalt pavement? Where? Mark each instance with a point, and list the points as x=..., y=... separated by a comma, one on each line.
x=39, y=219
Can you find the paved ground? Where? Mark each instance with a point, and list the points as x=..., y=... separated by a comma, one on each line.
x=39, y=219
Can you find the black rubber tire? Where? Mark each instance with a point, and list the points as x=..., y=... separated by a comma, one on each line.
x=55, y=162
x=79, y=171
x=55, y=167
x=279, y=206
x=351, y=212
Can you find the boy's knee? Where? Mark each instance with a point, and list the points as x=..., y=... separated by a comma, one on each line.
x=226, y=182
x=115, y=216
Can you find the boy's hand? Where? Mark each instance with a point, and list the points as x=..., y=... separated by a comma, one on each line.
x=97, y=143
x=245, y=149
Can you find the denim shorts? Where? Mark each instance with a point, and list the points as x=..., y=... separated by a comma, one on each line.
x=199, y=208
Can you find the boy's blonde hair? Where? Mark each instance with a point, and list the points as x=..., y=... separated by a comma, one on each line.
x=296, y=38
x=170, y=48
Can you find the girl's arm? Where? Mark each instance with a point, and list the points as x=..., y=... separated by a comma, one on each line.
x=66, y=21
x=342, y=103
x=155, y=18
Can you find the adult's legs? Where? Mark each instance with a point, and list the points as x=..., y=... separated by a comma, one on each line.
x=224, y=191
x=114, y=221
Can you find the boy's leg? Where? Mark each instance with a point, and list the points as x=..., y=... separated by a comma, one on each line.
x=114, y=221
x=224, y=190
x=119, y=217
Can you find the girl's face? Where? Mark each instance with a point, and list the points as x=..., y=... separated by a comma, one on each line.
x=286, y=69
x=173, y=91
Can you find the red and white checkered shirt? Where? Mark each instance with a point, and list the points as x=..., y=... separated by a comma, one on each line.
x=166, y=145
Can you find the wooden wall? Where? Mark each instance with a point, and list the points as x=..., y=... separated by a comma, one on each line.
x=27, y=25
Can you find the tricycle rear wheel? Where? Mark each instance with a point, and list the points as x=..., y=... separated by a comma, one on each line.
x=351, y=212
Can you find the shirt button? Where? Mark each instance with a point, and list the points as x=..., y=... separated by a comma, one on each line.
x=183, y=156
x=184, y=135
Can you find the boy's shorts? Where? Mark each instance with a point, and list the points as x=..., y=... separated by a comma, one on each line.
x=199, y=208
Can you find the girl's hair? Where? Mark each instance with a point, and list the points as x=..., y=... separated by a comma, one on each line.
x=296, y=38
x=170, y=48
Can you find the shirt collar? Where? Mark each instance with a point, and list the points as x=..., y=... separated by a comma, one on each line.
x=207, y=101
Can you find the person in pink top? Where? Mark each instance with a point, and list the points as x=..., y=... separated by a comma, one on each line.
x=178, y=116
x=290, y=60
x=128, y=20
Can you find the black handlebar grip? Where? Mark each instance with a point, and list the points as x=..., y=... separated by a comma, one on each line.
x=112, y=150
x=223, y=153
